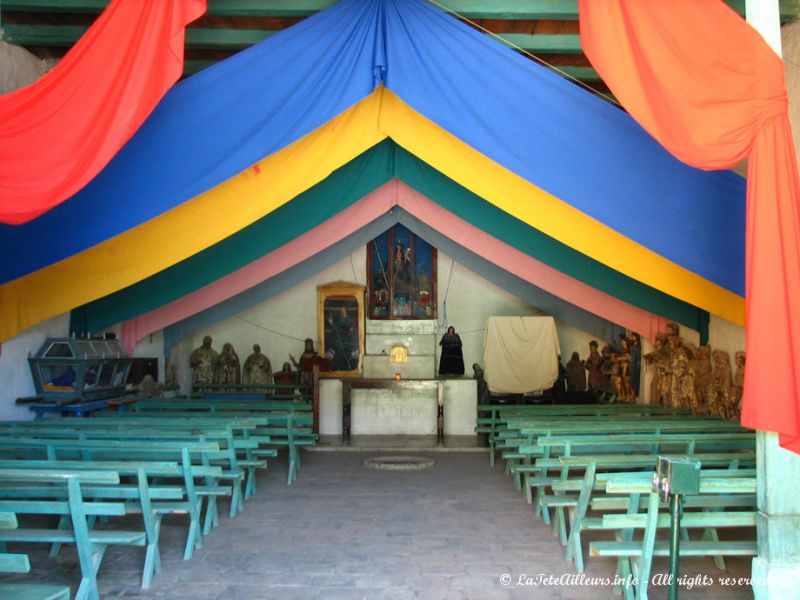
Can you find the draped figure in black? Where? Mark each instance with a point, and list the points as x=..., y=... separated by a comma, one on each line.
x=452, y=360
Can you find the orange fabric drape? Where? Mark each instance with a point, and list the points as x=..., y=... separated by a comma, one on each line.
x=706, y=85
x=59, y=132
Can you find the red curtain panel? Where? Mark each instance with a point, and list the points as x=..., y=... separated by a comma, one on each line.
x=707, y=86
x=59, y=132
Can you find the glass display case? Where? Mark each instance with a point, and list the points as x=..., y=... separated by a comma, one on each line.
x=67, y=370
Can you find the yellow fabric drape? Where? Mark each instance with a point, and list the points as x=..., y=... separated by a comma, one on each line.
x=262, y=188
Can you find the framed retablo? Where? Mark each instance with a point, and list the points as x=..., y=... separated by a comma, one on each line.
x=401, y=276
x=341, y=327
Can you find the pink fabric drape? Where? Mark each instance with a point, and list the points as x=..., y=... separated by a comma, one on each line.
x=59, y=132
x=395, y=193
x=706, y=85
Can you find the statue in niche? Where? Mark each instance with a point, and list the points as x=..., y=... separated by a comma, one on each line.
x=257, y=368
x=451, y=361
x=229, y=370
x=203, y=361
x=721, y=383
x=576, y=373
x=702, y=380
x=594, y=365
x=738, y=384
x=656, y=361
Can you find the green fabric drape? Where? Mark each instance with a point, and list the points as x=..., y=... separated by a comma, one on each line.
x=344, y=187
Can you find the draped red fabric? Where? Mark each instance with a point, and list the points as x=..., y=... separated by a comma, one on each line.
x=706, y=85
x=59, y=132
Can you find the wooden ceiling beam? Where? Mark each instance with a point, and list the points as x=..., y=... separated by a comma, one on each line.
x=219, y=38
x=473, y=9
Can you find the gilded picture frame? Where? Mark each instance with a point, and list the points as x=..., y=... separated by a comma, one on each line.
x=340, y=327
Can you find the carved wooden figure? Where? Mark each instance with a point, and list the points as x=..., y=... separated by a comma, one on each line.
x=721, y=383
x=738, y=384
x=229, y=369
x=702, y=380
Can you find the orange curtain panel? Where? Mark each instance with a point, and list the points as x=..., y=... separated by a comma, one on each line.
x=59, y=132
x=705, y=84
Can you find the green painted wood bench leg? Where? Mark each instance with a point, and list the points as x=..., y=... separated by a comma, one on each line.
x=710, y=534
x=152, y=528
x=193, y=538
x=643, y=564
x=250, y=483
x=89, y=556
x=63, y=524
x=292, y=475
x=574, y=551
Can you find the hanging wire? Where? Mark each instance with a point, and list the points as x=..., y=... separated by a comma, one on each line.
x=380, y=262
x=526, y=53
x=443, y=324
x=278, y=333
x=355, y=277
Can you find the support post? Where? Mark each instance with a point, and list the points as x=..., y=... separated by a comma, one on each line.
x=776, y=569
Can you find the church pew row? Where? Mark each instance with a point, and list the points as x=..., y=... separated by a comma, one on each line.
x=285, y=428
x=510, y=423
x=91, y=544
x=291, y=427
x=525, y=433
x=635, y=556
x=19, y=563
x=577, y=495
x=194, y=441
x=237, y=446
x=199, y=479
x=543, y=448
x=493, y=417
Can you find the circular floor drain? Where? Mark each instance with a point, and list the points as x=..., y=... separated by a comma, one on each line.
x=399, y=463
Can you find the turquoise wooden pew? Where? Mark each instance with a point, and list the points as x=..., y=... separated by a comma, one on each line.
x=179, y=451
x=635, y=557
x=91, y=544
x=141, y=497
x=19, y=563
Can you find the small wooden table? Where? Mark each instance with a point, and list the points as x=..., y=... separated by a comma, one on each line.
x=392, y=384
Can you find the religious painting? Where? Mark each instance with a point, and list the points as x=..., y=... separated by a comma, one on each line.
x=401, y=276
x=341, y=328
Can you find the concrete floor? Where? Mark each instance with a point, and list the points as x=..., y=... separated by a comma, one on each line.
x=343, y=531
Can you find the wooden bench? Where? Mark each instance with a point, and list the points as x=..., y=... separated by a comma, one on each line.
x=187, y=453
x=499, y=414
x=234, y=440
x=91, y=544
x=140, y=497
x=19, y=563
x=635, y=557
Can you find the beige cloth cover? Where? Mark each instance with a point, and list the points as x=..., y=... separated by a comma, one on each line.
x=520, y=354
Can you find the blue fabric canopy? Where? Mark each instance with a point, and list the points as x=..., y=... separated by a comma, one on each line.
x=210, y=127
x=568, y=142
x=273, y=286
x=547, y=130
